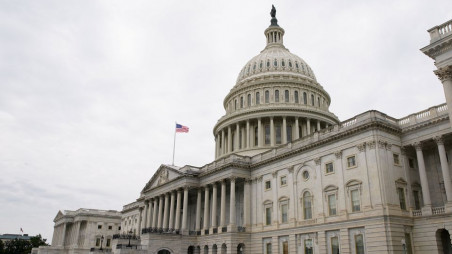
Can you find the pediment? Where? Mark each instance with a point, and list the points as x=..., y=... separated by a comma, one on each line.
x=164, y=174
x=58, y=216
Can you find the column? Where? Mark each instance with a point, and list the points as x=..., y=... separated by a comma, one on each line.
x=232, y=219
x=146, y=212
x=185, y=210
x=139, y=219
x=217, y=145
x=166, y=212
x=247, y=203
x=444, y=167
x=177, y=227
x=206, y=208
x=275, y=212
x=237, y=137
x=214, y=205
x=223, y=145
x=247, y=134
x=272, y=132
x=445, y=76
x=154, y=220
x=297, y=129
x=259, y=132
x=198, y=210
x=308, y=126
x=229, y=139
x=284, y=130
x=171, y=215
x=423, y=175
x=223, y=204
x=77, y=232
x=160, y=216
x=318, y=125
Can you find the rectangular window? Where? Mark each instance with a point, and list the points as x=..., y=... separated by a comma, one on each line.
x=268, y=185
x=286, y=96
x=359, y=244
x=277, y=96
x=108, y=242
x=97, y=241
x=334, y=245
x=267, y=96
x=307, y=206
x=269, y=248
x=409, y=248
x=110, y=227
x=297, y=100
x=283, y=180
x=355, y=201
x=241, y=102
x=278, y=134
x=99, y=226
x=289, y=133
x=267, y=134
x=351, y=161
x=268, y=216
x=285, y=247
x=411, y=162
x=284, y=209
x=119, y=228
x=249, y=100
x=396, y=159
x=417, y=202
x=332, y=204
x=258, y=98
x=401, y=193
x=308, y=246
x=329, y=168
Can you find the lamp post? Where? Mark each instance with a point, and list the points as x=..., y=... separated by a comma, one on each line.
x=130, y=236
x=101, y=241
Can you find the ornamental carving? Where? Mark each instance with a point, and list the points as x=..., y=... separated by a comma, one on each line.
x=163, y=176
x=338, y=154
x=444, y=74
x=371, y=144
x=317, y=161
x=388, y=146
x=439, y=140
x=417, y=146
x=403, y=150
x=381, y=144
x=362, y=147
x=274, y=174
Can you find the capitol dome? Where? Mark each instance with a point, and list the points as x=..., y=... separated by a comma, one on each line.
x=276, y=99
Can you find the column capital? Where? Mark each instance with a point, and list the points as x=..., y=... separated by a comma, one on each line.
x=361, y=147
x=232, y=178
x=275, y=174
x=248, y=180
x=403, y=150
x=439, y=140
x=291, y=169
x=382, y=144
x=317, y=161
x=444, y=73
x=338, y=154
x=371, y=144
x=418, y=146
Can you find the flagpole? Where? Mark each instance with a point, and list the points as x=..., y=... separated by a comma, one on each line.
x=174, y=145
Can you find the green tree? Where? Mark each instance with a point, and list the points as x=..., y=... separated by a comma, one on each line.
x=2, y=247
x=18, y=246
x=37, y=241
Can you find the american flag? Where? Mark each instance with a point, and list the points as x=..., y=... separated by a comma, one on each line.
x=181, y=128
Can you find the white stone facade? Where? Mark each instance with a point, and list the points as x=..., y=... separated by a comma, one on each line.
x=289, y=177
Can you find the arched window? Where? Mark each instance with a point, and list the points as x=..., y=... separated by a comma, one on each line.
x=268, y=63
x=260, y=65
x=275, y=63
x=318, y=102
x=248, y=70
x=312, y=100
x=283, y=64
x=307, y=205
x=296, y=65
x=290, y=64
x=276, y=95
x=235, y=104
x=296, y=97
x=241, y=102
x=267, y=96
x=286, y=95
x=249, y=100
x=258, y=98
x=305, y=98
x=254, y=67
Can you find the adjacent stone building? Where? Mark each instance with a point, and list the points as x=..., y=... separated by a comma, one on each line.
x=290, y=177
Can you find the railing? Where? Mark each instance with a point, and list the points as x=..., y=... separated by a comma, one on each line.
x=417, y=213
x=241, y=229
x=99, y=250
x=125, y=236
x=348, y=123
x=440, y=31
x=438, y=210
x=422, y=116
x=131, y=247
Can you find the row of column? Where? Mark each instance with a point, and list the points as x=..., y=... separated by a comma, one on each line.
x=423, y=174
x=242, y=136
x=159, y=212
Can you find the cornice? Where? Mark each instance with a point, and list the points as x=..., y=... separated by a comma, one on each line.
x=438, y=47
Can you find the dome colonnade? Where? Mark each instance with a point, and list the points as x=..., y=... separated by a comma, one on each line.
x=276, y=99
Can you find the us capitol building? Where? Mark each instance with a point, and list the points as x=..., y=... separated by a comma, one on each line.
x=290, y=177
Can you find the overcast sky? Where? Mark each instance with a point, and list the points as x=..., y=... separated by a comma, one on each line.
x=90, y=90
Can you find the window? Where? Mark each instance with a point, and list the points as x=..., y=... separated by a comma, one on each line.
x=267, y=96
x=395, y=156
x=119, y=228
x=329, y=168
x=249, y=100
x=308, y=246
x=278, y=134
x=289, y=133
x=108, y=242
x=285, y=247
x=312, y=99
x=268, y=185
x=286, y=95
x=332, y=204
x=307, y=205
x=409, y=248
x=296, y=65
x=356, y=207
x=290, y=64
x=401, y=194
x=283, y=63
x=258, y=98
x=260, y=65
x=97, y=241
x=417, y=202
x=276, y=95
x=268, y=248
x=268, y=216
x=284, y=209
x=254, y=67
x=305, y=175
x=110, y=227
x=411, y=162
x=359, y=244
x=334, y=245
x=351, y=162
x=241, y=102
x=296, y=97
x=256, y=136
x=268, y=63
x=318, y=102
x=283, y=180
x=275, y=63
x=267, y=134
x=99, y=226
x=305, y=98
x=235, y=104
